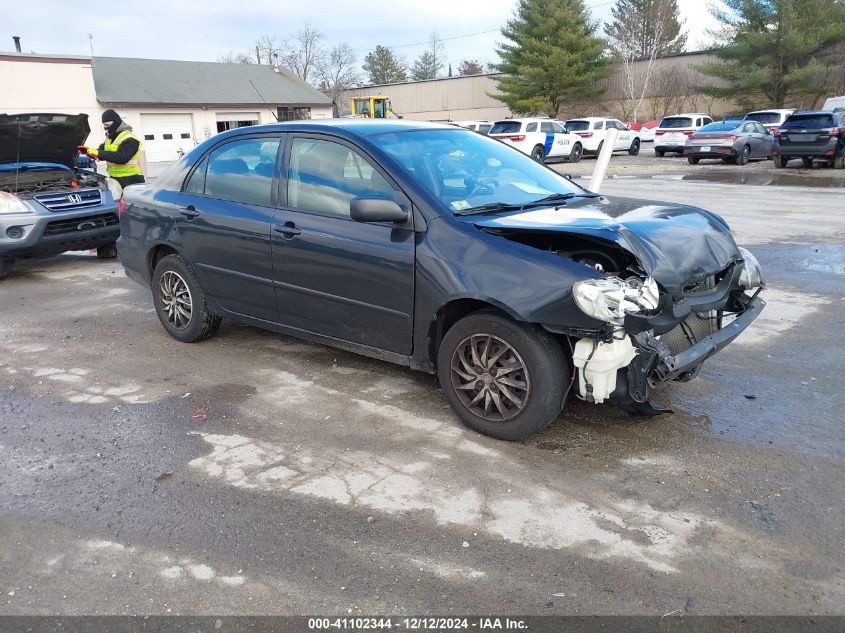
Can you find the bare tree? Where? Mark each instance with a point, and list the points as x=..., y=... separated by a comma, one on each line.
x=338, y=71
x=267, y=50
x=627, y=51
x=303, y=53
x=235, y=58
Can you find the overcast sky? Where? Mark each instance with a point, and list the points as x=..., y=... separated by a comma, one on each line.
x=205, y=29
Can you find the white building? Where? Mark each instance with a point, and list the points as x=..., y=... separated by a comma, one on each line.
x=171, y=105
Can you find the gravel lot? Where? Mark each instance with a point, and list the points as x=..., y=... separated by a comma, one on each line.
x=255, y=474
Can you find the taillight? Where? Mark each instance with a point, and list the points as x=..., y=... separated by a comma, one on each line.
x=659, y=133
x=834, y=131
x=515, y=139
x=121, y=207
x=688, y=132
x=585, y=134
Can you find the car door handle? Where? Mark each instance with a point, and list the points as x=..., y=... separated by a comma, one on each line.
x=189, y=211
x=288, y=229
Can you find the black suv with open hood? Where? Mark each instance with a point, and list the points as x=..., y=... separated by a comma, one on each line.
x=47, y=205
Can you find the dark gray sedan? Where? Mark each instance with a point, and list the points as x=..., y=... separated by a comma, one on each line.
x=730, y=141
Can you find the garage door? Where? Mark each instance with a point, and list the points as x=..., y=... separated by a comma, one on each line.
x=165, y=134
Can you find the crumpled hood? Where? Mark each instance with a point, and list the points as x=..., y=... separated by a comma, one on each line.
x=676, y=244
x=50, y=138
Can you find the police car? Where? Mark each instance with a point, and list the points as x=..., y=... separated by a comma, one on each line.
x=540, y=138
x=593, y=132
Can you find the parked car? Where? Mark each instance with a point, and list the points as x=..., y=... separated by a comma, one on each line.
x=539, y=138
x=811, y=136
x=482, y=127
x=593, y=132
x=646, y=134
x=771, y=119
x=672, y=133
x=730, y=141
x=443, y=250
x=833, y=103
x=47, y=205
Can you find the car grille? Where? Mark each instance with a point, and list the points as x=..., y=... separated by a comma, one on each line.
x=70, y=201
x=85, y=223
x=697, y=326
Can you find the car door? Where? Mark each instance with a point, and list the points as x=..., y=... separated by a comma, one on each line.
x=225, y=212
x=766, y=139
x=349, y=280
x=624, y=136
x=563, y=139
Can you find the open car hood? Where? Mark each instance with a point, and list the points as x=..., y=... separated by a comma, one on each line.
x=678, y=245
x=49, y=138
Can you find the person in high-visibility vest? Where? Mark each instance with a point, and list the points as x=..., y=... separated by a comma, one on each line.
x=121, y=150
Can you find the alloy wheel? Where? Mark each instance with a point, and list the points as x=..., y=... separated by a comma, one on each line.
x=175, y=299
x=490, y=378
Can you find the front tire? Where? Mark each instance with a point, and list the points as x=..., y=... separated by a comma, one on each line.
x=659, y=153
x=503, y=379
x=635, y=147
x=180, y=301
x=692, y=160
x=839, y=162
x=107, y=251
x=538, y=153
x=576, y=153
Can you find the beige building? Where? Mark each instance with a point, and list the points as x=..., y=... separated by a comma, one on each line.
x=171, y=105
x=674, y=86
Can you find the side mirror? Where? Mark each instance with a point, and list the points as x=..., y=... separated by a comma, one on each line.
x=376, y=210
x=628, y=127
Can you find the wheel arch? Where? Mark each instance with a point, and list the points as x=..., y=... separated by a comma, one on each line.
x=156, y=254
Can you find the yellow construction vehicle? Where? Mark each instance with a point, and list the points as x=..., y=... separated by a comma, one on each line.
x=372, y=107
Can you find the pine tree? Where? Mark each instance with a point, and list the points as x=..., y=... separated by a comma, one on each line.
x=383, y=67
x=779, y=51
x=645, y=28
x=553, y=57
x=425, y=67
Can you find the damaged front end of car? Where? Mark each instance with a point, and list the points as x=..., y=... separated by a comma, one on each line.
x=653, y=335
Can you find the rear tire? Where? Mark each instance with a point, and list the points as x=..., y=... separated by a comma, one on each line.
x=180, y=301
x=598, y=149
x=692, y=160
x=470, y=365
x=107, y=251
x=839, y=162
x=780, y=162
x=807, y=162
x=6, y=266
x=538, y=153
x=576, y=153
x=659, y=153
x=743, y=156
x=635, y=147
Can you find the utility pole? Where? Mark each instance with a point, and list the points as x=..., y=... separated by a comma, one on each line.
x=91, y=43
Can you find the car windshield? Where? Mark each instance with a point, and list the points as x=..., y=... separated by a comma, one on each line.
x=505, y=127
x=808, y=121
x=465, y=171
x=721, y=126
x=577, y=126
x=766, y=118
x=676, y=122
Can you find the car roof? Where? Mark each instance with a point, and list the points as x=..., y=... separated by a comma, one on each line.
x=778, y=110
x=360, y=127
x=670, y=116
x=525, y=119
x=593, y=118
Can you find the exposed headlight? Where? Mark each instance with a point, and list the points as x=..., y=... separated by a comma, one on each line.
x=752, y=274
x=10, y=203
x=115, y=188
x=612, y=298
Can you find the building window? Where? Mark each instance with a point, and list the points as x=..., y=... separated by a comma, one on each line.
x=149, y=137
x=167, y=137
x=185, y=135
x=290, y=113
x=222, y=126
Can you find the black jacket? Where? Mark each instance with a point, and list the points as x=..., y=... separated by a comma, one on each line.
x=125, y=151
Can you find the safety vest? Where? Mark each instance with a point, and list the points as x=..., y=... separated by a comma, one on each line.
x=130, y=168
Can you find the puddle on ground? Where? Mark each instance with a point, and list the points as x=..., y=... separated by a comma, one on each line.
x=775, y=179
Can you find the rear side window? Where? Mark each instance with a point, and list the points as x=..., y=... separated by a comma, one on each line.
x=577, y=126
x=675, y=122
x=766, y=118
x=546, y=127
x=531, y=127
x=505, y=127
x=809, y=121
x=242, y=171
x=598, y=125
x=484, y=128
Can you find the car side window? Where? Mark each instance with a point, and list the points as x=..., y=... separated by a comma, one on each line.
x=484, y=128
x=242, y=171
x=324, y=176
x=531, y=127
x=748, y=128
x=598, y=125
x=546, y=127
x=558, y=128
x=196, y=183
